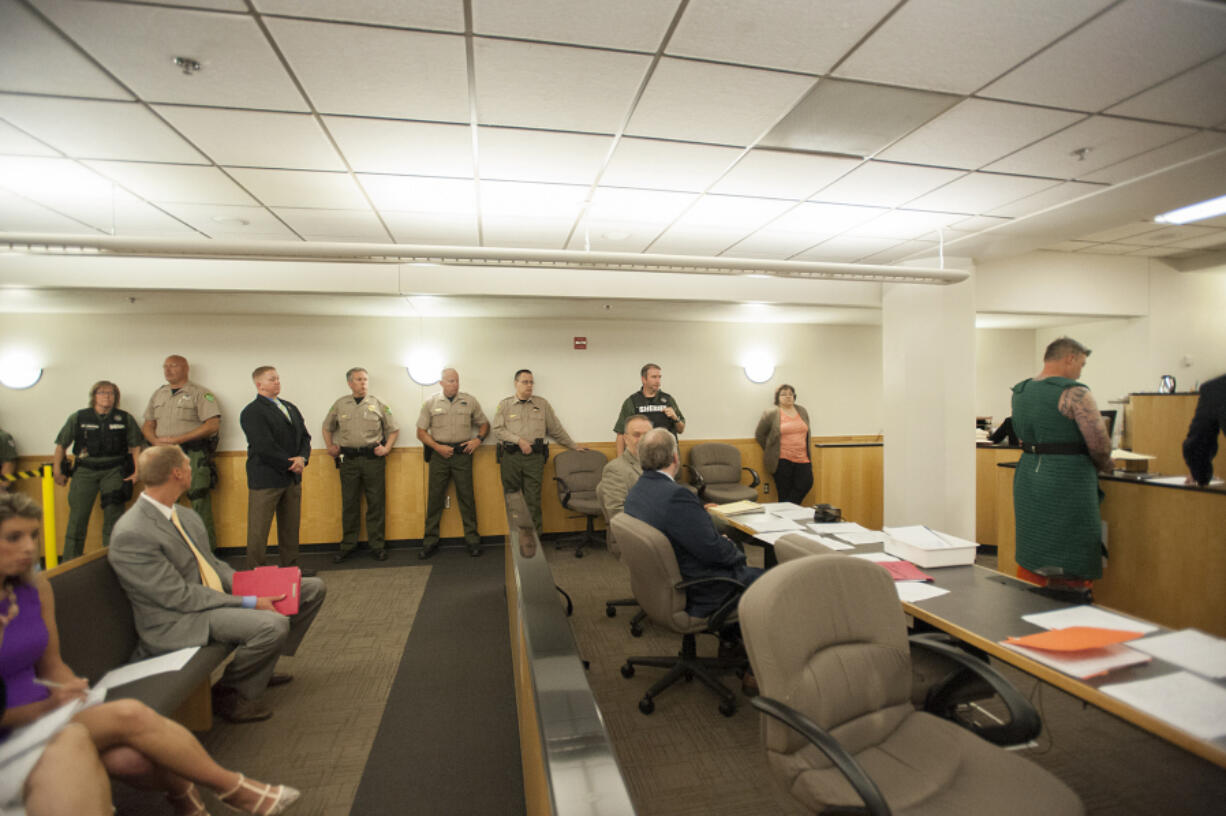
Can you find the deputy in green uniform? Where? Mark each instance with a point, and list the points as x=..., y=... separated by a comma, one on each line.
x=186, y=414
x=8, y=458
x=522, y=425
x=360, y=432
x=1055, y=488
x=451, y=427
x=101, y=437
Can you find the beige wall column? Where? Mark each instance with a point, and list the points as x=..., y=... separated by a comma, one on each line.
x=928, y=387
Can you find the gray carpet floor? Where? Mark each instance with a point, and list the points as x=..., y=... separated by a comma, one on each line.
x=688, y=759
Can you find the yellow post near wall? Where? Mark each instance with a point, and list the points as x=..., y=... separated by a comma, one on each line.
x=49, y=517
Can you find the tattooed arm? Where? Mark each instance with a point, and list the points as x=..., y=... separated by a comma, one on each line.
x=1078, y=405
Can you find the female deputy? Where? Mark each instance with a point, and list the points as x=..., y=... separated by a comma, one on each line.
x=133, y=742
x=103, y=437
x=783, y=434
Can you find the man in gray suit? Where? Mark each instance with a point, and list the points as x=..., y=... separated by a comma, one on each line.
x=180, y=592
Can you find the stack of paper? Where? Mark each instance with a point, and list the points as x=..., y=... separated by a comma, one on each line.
x=1086, y=662
x=848, y=532
x=735, y=508
x=1087, y=616
x=766, y=523
x=1188, y=649
x=928, y=548
x=916, y=591
x=1184, y=700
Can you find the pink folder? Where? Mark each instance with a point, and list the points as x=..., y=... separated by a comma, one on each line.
x=269, y=582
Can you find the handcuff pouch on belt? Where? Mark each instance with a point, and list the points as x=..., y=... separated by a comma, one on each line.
x=538, y=446
x=209, y=446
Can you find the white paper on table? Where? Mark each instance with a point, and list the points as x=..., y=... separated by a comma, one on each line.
x=825, y=541
x=915, y=591
x=1131, y=456
x=171, y=661
x=1177, y=480
x=1189, y=649
x=1086, y=662
x=866, y=537
x=36, y=733
x=836, y=527
x=919, y=536
x=766, y=523
x=877, y=557
x=795, y=514
x=1182, y=699
x=779, y=507
x=771, y=538
x=1087, y=616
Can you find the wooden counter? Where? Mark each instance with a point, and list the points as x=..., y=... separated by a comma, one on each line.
x=1167, y=550
x=1158, y=424
x=986, y=460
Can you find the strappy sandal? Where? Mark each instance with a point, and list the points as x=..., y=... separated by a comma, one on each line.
x=273, y=799
x=192, y=797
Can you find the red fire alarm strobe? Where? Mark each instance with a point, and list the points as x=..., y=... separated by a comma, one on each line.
x=580, y=343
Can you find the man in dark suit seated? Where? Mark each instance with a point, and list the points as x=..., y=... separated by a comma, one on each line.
x=701, y=551
x=1200, y=446
x=180, y=592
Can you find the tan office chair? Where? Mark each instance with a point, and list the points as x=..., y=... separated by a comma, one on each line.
x=656, y=582
x=939, y=685
x=610, y=537
x=827, y=640
x=716, y=469
x=576, y=474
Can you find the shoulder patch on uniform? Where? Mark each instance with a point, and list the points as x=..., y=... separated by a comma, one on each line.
x=209, y=396
x=387, y=409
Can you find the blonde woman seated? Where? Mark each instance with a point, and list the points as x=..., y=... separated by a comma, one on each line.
x=134, y=742
x=783, y=434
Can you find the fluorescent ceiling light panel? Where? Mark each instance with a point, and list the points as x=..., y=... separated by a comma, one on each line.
x=852, y=118
x=1194, y=212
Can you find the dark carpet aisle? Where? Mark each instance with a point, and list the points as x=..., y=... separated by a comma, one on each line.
x=448, y=743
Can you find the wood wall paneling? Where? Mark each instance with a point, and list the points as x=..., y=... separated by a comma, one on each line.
x=847, y=477
x=1158, y=425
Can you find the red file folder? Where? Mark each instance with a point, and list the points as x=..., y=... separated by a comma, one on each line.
x=269, y=582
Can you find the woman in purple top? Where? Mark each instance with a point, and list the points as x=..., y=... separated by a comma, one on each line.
x=133, y=741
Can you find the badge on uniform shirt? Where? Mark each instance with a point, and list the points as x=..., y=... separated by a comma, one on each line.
x=512, y=416
x=342, y=416
x=439, y=410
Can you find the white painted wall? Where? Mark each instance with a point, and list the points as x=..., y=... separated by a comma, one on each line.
x=1185, y=319
x=1003, y=358
x=835, y=369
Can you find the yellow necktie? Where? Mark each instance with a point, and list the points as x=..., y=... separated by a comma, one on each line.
x=208, y=575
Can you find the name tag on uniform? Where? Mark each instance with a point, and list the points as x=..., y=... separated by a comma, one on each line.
x=117, y=426
x=439, y=410
x=512, y=416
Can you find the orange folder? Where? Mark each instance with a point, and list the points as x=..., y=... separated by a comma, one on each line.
x=269, y=582
x=1074, y=639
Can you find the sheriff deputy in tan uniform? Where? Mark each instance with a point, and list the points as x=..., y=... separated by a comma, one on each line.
x=365, y=433
x=186, y=414
x=521, y=425
x=451, y=427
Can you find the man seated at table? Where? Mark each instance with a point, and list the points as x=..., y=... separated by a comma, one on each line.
x=621, y=473
x=701, y=551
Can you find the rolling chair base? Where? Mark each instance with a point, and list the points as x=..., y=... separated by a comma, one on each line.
x=687, y=666
x=636, y=623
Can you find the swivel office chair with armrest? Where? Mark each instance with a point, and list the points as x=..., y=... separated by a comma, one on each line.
x=656, y=581
x=610, y=537
x=577, y=475
x=940, y=684
x=841, y=734
x=716, y=468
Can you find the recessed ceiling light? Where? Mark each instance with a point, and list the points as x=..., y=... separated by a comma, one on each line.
x=1194, y=212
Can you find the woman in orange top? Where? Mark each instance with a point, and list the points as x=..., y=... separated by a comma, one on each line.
x=783, y=434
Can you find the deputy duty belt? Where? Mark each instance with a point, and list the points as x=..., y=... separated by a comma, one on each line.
x=359, y=452
x=458, y=447
x=105, y=463
x=1057, y=448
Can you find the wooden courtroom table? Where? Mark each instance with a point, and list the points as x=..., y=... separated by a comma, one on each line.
x=983, y=607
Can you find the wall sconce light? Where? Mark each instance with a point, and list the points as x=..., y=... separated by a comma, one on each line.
x=759, y=366
x=425, y=367
x=19, y=371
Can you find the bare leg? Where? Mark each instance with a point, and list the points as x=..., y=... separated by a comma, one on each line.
x=175, y=755
x=135, y=768
x=85, y=791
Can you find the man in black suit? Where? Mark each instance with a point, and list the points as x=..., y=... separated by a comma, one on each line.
x=701, y=551
x=1200, y=446
x=278, y=447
